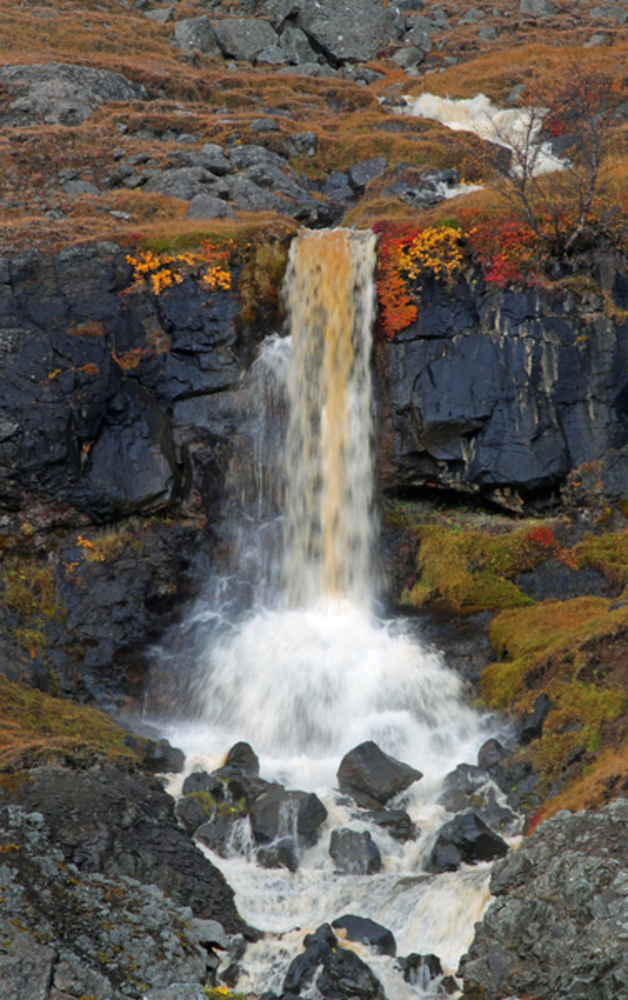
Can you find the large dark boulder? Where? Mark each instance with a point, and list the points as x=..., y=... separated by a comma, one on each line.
x=354, y=853
x=302, y=969
x=465, y=838
x=368, y=932
x=347, y=977
x=278, y=813
x=368, y=771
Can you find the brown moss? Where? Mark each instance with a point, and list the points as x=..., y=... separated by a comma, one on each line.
x=35, y=727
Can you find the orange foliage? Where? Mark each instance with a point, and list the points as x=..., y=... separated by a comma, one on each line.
x=396, y=307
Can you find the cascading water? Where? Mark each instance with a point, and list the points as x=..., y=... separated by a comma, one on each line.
x=307, y=672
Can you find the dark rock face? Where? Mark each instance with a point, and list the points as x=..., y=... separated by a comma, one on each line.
x=354, y=853
x=489, y=391
x=58, y=94
x=368, y=932
x=464, y=838
x=68, y=933
x=117, y=823
x=557, y=926
x=368, y=771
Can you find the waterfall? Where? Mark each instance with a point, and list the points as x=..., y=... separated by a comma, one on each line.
x=329, y=534
x=304, y=672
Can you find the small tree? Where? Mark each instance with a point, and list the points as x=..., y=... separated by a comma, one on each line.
x=564, y=207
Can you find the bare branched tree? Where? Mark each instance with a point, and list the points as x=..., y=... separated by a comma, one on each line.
x=560, y=139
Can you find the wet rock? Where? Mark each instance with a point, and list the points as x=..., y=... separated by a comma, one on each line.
x=219, y=832
x=206, y=206
x=464, y=838
x=244, y=38
x=347, y=977
x=555, y=928
x=196, y=34
x=491, y=754
x=277, y=813
x=532, y=725
x=282, y=853
x=59, y=94
x=200, y=781
x=354, y=853
x=368, y=770
x=117, y=823
x=368, y=932
x=194, y=810
x=162, y=758
x=419, y=970
x=242, y=756
x=471, y=787
x=303, y=968
x=396, y=822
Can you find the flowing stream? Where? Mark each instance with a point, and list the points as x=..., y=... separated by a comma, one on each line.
x=306, y=670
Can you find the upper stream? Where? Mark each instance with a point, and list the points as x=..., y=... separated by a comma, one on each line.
x=296, y=660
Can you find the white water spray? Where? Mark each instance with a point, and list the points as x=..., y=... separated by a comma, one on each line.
x=309, y=673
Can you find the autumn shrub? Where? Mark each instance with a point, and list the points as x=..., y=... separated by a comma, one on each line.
x=406, y=255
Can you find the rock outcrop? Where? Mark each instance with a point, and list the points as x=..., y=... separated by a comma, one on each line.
x=558, y=925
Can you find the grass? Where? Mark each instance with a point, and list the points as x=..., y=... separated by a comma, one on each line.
x=36, y=728
x=574, y=651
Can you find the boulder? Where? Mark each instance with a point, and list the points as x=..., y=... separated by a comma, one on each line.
x=360, y=174
x=244, y=38
x=200, y=781
x=395, y=822
x=531, y=727
x=277, y=813
x=182, y=182
x=242, y=756
x=537, y=8
x=282, y=853
x=218, y=832
x=303, y=968
x=419, y=970
x=59, y=94
x=347, y=977
x=295, y=44
x=193, y=810
x=471, y=787
x=465, y=838
x=196, y=34
x=354, y=853
x=367, y=770
x=352, y=31
x=368, y=932
x=162, y=758
x=212, y=157
x=206, y=206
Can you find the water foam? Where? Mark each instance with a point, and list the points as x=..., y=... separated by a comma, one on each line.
x=517, y=129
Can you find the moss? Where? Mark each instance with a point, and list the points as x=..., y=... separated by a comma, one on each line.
x=30, y=590
x=468, y=570
x=607, y=553
x=35, y=727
